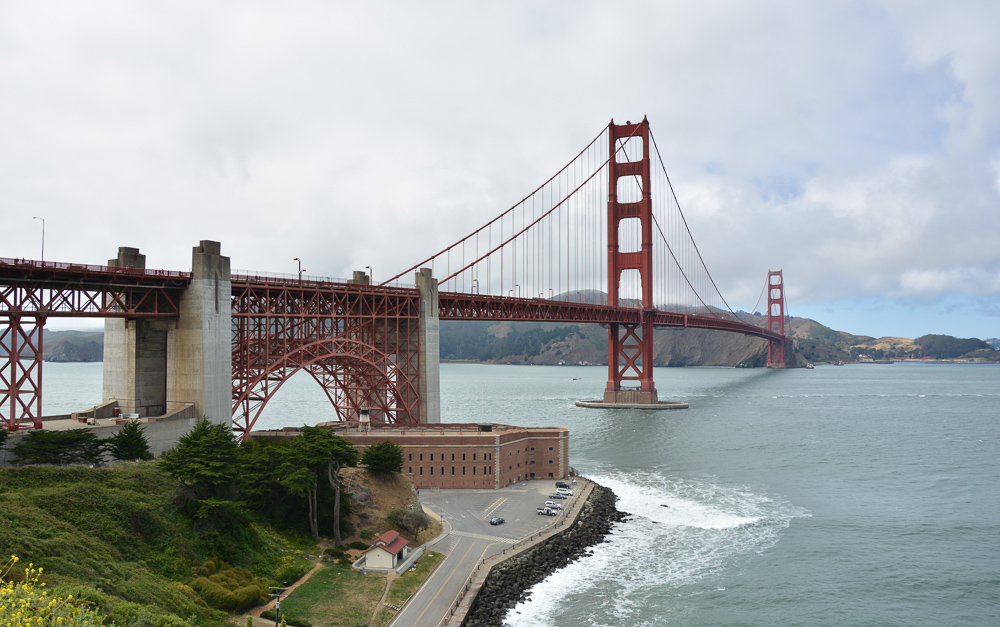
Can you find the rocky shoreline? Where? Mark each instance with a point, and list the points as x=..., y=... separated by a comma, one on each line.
x=508, y=582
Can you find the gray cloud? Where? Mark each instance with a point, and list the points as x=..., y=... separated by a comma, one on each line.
x=853, y=144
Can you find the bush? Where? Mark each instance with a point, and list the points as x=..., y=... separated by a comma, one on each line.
x=359, y=545
x=59, y=448
x=384, y=458
x=367, y=534
x=291, y=620
x=129, y=443
x=409, y=520
x=27, y=603
x=231, y=589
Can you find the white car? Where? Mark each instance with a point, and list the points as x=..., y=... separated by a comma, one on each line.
x=564, y=491
x=553, y=505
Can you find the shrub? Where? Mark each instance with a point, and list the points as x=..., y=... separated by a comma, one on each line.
x=359, y=545
x=409, y=520
x=231, y=589
x=367, y=534
x=25, y=603
x=291, y=620
x=384, y=458
x=129, y=443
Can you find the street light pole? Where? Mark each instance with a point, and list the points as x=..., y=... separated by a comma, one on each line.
x=43, y=236
x=300, y=269
x=371, y=275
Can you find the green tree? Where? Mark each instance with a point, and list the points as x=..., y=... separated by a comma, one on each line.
x=314, y=452
x=384, y=458
x=76, y=446
x=205, y=461
x=129, y=443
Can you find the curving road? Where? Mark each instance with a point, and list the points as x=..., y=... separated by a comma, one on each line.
x=472, y=539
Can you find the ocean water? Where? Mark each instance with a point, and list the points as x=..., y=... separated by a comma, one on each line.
x=857, y=495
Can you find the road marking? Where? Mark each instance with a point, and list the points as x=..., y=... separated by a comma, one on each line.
x=480, y=536
x=445, y=582
x=497, y=503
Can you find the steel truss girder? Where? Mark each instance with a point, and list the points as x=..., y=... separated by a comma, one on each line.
x=359, y=342
x=21, y=374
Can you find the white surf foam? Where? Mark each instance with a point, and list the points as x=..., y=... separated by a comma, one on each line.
x=706, y=530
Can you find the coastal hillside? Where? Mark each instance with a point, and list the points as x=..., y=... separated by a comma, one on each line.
x=551, y=343
x=73, y=346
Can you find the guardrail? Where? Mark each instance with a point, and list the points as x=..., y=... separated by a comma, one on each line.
x=550, y=529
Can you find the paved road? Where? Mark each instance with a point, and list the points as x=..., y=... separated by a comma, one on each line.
x=472, y=538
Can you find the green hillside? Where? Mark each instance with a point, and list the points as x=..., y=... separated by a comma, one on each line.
x=113, y=536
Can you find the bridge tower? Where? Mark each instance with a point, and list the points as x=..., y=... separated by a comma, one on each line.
x=630, y=346
x=775, y=318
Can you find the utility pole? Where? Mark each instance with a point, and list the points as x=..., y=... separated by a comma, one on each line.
x=277, y=593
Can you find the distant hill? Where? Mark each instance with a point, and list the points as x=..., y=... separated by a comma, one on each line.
x=73, y=346
x=587, y=344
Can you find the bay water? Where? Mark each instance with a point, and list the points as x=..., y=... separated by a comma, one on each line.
x=858, y=495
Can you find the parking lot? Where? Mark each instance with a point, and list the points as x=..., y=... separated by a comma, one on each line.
x=471, y=538
x=470, y=511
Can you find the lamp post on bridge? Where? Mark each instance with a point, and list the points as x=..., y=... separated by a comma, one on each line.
x=300, y=269
x=43, y=236
x=371, y=275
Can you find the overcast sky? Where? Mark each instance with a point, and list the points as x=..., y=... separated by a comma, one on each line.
x=855, y=145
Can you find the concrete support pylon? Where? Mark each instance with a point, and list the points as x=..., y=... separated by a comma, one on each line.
x=135, y=355
x=199, y=348
x=430, y=348
x=152, y=367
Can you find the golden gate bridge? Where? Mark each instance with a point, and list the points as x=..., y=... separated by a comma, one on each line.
x=603, y=240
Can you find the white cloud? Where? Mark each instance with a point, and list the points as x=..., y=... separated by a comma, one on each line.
x=854, y=145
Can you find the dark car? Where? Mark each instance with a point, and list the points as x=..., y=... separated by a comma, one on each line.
x=497, y=521
x=556, y=495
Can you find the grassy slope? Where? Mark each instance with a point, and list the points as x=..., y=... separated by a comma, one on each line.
x=115, y=533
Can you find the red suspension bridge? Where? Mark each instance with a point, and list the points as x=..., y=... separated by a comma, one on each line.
x=602, y=241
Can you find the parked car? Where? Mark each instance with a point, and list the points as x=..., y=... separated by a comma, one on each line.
x=546, y=511
x=562, y=484
x=497, y=521
x=556, y=495
x=564, y=491
x=553, y=505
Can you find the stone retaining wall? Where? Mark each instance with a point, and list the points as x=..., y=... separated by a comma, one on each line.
x=508, y=582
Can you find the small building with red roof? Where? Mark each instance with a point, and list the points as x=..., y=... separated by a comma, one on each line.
x=387, y=552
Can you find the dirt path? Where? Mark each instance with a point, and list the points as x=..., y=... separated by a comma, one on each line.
x=260, y=609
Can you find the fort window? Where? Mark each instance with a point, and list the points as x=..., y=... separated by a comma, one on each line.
x=421, y=470
x=550, y=448
x=432, y=471
x=463, y=471
x=411, y=457
x=432, y=456
x=452, y=457
x=410, y=471
x=452, y=471
x=463, y=457
x=550, y=461
x=473, y=470
x=422, y=456
x=473, y=457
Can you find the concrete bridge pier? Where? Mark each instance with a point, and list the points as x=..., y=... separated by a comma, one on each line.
x=430, y=348
x=154, y=366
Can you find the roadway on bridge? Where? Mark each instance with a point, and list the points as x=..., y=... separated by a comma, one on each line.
x=472, y=539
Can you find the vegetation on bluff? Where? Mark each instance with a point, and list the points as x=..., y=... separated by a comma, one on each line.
x=201, y=532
